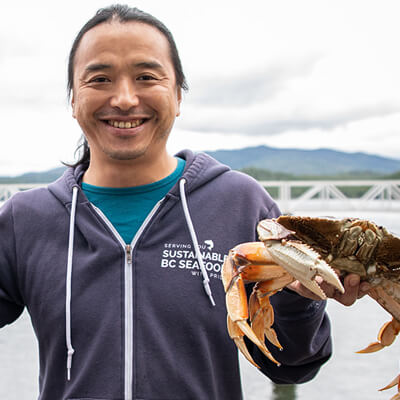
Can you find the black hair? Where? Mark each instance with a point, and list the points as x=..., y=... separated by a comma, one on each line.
x=120, y=13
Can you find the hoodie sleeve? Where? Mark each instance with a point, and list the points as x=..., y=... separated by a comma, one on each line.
x=303, y=329
x=11, y=305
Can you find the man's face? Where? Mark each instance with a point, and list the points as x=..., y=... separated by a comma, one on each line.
x=124, y=95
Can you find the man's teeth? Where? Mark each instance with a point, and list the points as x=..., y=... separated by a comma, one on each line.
x=125, y=124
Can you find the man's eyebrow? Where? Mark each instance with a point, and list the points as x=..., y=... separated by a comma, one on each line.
x=149, y=65
x=143, y=64
x=97, y=67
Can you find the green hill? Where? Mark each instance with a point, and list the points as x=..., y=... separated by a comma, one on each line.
x=35, y=177
x=320, y=162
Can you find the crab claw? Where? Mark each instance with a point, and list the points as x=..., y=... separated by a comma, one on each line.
x=304, y=264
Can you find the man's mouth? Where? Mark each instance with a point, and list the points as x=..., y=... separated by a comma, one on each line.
x=125, y=124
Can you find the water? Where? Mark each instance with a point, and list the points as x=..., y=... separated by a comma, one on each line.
x=346, y=376
x=19, y=361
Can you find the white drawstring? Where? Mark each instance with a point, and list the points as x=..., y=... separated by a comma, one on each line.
x=70, y=349
x=206, y=280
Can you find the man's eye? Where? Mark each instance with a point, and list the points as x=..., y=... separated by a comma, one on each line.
x=146, y=78
x=99, y=79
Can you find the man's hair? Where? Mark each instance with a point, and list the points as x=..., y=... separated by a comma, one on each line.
x=121, y=13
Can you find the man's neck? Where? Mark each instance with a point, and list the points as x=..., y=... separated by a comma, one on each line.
x=128, y=173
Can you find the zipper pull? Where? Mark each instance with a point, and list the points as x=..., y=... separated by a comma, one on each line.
x=128, y=250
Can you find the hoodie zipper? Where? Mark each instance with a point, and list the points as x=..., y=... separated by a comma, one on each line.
x=128, y=323
x=128, y=286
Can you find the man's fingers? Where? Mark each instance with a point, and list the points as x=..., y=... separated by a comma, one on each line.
x=353, y=290
x=351, y=286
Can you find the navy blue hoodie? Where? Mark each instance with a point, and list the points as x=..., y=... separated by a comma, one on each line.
x=135, y=318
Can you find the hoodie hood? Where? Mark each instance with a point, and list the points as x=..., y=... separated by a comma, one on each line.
x=200, y=169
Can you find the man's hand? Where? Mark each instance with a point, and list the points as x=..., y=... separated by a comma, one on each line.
x=353, y=290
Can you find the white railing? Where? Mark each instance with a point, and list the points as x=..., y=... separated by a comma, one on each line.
x=381, y=195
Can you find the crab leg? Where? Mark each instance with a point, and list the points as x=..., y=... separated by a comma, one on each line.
x=270, y=279
x=261, y=311
x=389, y=331
x=249, y=262
x=386, y=336
x=236, y=334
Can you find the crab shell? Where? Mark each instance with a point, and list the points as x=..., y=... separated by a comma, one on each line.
x=350, y=245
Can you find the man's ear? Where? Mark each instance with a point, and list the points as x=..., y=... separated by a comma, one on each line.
x=178, y=101
x=73, y=105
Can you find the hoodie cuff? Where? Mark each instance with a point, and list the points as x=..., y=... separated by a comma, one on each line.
x=289, y=305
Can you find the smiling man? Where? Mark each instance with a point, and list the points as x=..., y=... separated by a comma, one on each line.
x=125, y=99
x=119, y=261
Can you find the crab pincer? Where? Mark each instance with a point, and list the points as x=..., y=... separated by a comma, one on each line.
x=299, y=259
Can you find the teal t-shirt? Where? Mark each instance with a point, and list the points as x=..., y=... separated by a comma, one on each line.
x=127, y=208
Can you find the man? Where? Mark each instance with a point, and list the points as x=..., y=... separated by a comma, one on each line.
x=105, y=259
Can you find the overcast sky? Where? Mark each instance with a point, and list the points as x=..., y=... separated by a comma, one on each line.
x=294, y=74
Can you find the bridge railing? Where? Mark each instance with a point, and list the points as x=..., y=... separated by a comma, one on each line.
x=378, y=195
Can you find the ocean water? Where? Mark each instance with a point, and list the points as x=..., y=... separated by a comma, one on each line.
x=346, y=375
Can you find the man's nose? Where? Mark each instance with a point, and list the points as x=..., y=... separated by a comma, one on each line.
x=125, y=95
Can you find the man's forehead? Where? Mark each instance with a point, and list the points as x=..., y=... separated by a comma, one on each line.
x=114, y=30
x=126, y=37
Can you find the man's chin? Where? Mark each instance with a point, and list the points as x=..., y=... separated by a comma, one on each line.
x=124, y=155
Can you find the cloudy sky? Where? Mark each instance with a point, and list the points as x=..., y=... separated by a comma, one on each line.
x=288, y=73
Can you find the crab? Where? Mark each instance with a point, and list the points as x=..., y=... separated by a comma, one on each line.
x=303, y=248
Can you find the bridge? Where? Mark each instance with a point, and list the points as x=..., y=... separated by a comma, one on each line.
x=292, y=196
x=376, y=195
